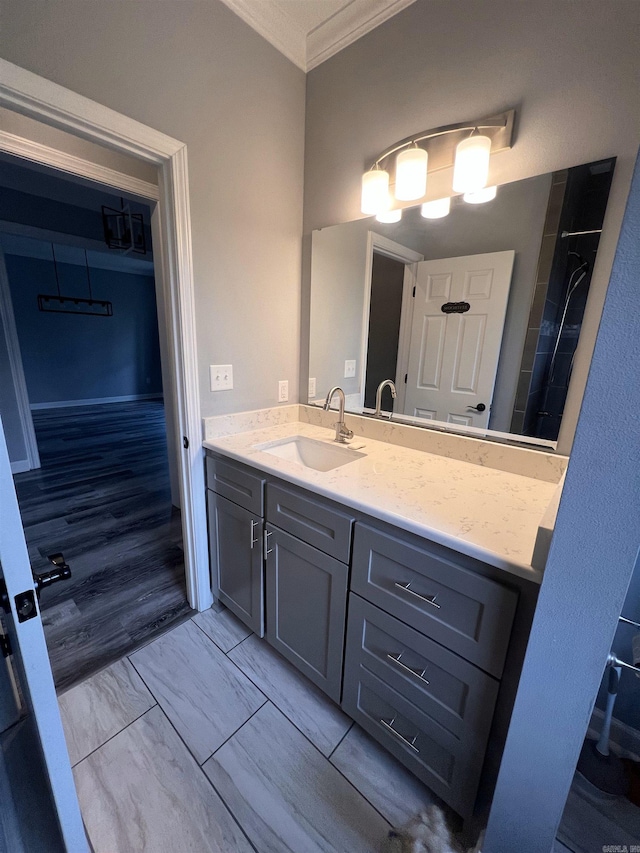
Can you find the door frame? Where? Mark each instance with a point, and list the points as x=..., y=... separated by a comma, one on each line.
x=383, y=246
x=17, y=373
x=47, y=102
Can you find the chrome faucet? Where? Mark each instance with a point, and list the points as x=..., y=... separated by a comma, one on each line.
x=381, y=387
x=343, y=434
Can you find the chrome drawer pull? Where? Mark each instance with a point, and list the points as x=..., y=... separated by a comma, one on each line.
x=418, y=674
x=388, y=724
x=267, y=550
x=428, y=599
x=253, y=541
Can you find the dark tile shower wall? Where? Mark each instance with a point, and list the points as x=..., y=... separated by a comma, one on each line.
x=532, y=367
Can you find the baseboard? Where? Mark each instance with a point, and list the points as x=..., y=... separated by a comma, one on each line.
x=624, y=740
x=20, y=466
x=96, y=401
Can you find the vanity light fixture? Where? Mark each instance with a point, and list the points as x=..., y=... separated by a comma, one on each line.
x=471, y=167
x=466, y=147
x=411, y=174
x=436, y=209
x=481, y=196
x=375, y=191
x=390, y=216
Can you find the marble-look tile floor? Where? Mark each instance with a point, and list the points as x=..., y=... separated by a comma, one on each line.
x=102, y=498
x=207, y=740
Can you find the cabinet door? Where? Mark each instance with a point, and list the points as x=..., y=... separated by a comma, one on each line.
x=236, y=552
x=306, y=606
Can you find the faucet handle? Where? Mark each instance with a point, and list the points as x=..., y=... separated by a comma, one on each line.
x=343, y=431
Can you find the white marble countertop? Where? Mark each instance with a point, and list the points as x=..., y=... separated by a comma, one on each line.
x=482, y=512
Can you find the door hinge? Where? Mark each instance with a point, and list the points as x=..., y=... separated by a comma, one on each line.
x=185, y=442
x=414, y=292
x=405, y=378
x=5, y=645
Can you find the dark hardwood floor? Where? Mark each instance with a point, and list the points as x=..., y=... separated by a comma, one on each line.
x=102, y=498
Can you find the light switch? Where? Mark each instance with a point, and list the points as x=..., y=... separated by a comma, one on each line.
x=349, y=368
x=221, y=377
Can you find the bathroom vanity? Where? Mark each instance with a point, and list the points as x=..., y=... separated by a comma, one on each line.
x=398, y=581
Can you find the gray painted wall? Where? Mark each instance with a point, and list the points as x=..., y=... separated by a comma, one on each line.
x=195, y=71
x=573, y=77
x=591, y=561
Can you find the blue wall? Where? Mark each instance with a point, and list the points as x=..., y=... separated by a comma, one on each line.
x=79, y=357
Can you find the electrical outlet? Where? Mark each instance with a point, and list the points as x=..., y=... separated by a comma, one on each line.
x=221, y=377
x=312, y=387
x=349, y=368
x=283, y=390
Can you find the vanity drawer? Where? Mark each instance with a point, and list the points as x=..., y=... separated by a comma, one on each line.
x=312, y=521
x=452, y=691
x=236, y=484
x=464, y=611
x=450, y=766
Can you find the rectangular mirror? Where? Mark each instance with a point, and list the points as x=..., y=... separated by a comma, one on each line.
x=474, y=316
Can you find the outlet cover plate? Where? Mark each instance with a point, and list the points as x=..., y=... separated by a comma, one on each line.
x=283, y=390
x=312, y=387
x=349, y=368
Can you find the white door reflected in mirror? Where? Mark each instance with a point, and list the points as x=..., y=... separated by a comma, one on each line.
x=458, y=316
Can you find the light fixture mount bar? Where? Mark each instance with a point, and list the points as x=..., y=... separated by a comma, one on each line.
x=441, y=146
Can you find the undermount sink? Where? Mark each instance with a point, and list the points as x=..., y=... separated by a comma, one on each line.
x=310, y=452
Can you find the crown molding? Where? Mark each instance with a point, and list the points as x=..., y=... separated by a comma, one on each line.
x=305, y=49
x=278, y=28
x=352, y=22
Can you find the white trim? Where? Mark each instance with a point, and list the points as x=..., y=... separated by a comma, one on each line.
x=354, y=20
x=72, y=165
x=404, y=335
x=94, y=401
x=383, y=246
x=17, y=370
x=20, y=466
x=38, y=98
x=307, y=46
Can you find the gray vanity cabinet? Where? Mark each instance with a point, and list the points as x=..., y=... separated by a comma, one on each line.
x=307, y=573
x=432, y=709
x=431, y=589
x=306, y=594
x=418, y=643
x=236, y=541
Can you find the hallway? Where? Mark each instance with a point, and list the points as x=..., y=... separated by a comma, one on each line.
x=102, y=498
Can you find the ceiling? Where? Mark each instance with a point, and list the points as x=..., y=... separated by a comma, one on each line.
x=310, y=31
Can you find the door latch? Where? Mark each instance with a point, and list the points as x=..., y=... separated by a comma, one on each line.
x=61, y=572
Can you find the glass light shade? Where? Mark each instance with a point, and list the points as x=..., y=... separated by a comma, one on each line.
x=411, y=174
x=390, y=216
x=481, y=196
x=375, y=191
x=436, y=209
x=471, y=166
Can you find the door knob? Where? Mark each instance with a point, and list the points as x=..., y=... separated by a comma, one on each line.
x=61, y=572
x=479, y=408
